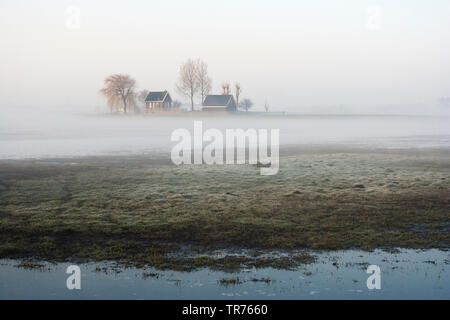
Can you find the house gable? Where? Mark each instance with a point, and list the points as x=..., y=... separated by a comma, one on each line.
x=167, y=98
x=231, y=105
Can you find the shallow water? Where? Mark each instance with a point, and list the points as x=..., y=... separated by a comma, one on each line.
x=29, y=135
x=410, y=274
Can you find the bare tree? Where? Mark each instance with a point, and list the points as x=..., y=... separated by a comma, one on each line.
x=237, y=92
x=141, y=96
x=225, y=88
x=204, y=81
x=187, y=82
x=266, y=106
x=119, y=91
x=246, y=104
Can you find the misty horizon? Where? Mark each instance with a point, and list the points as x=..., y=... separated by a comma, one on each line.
x=237, y=151
x=369, y=57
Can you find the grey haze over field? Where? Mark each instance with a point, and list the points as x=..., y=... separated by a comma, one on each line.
x=353, y=97
x=303, y=57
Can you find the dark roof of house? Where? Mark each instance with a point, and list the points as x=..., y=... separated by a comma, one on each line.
x=156, y=96
x=217, y=99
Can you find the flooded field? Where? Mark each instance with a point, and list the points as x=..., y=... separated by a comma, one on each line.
x=406, y=274
x=169, y=154
x=80, y=189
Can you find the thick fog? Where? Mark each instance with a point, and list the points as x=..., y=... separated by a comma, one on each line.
x=301, y=56
x=320, y=59
x=27, y=133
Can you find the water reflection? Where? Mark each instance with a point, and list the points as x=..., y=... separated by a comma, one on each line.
x=408, y=274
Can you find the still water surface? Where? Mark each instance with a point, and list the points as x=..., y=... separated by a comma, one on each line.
x=410, y=274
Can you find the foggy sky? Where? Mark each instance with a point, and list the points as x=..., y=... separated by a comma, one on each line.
x=296, y=54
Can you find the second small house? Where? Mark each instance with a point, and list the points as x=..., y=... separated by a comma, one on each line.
x=158, y=101
x=219, y=102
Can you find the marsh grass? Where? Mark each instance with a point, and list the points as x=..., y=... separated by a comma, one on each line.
x=140, y=211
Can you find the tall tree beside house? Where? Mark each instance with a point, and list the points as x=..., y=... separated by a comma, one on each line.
x=119, y=91
x=141, y=96
x=204, y=81
x=238, y=91
x=246, y=104
x=187, y=81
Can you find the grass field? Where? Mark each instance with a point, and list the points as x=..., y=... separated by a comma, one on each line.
x=143, y=210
